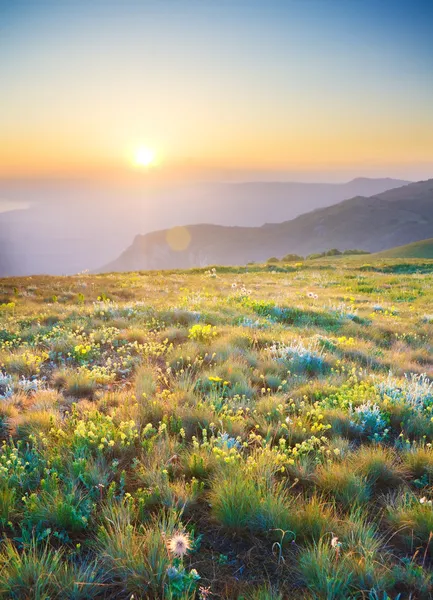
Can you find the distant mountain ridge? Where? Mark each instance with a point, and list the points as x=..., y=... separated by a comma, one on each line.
x=391, y=218
x=70, y=226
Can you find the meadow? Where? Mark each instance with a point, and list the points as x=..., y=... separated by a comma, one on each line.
x=259, y=433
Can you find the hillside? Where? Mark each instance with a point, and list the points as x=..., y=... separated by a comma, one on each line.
x=423, y=249
x=69, y=226
x=252, y=414
x=403, y=215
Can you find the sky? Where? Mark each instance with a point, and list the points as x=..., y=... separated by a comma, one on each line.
x=215, y=87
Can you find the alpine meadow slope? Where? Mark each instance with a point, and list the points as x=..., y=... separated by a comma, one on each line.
x=422, y=249
x=229, y=433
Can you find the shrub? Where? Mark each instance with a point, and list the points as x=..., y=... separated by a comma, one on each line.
x=22, y=362
x=40, y=572
x=292, y=258
x=77, y=384
x=312, y=518
x=411, y=518
x=35, y=422
x=298, y=357
x=6, y=385
x=30, y=574
x=66, y=512
x=335, y=570
x=239, y=502
x=202, y=333
x=145, y=385
x=410, y=577
x=369, y=421
x=8, y=504
x=415, y=389
x=337, y=480
x=380, y=466
x=139, y=559
x=326, y=577
x=266, y=592
x=419, y=462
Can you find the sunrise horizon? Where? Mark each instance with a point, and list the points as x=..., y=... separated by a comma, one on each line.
x=206, y=87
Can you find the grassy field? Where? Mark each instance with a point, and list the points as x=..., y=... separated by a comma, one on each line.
x=423, y=249
x=222, y=433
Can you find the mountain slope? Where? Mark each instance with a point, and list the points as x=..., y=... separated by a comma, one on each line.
x=422, y=249
x=377, y=223
x=72, y=225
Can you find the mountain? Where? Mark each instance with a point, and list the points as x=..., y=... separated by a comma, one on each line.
x=422, y=249
x=66, y=226
x=399, y=216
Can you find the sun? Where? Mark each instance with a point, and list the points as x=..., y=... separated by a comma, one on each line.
x=144, y=157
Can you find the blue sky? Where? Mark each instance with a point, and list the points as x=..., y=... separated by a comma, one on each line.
x=294, y=84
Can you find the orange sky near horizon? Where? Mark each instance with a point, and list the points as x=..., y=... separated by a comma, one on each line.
x=56, y=154
x=208, y=90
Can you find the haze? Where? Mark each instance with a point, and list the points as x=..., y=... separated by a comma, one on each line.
x=209, y=95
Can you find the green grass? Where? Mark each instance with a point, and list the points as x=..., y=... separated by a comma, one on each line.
x=278, y=418
x=423, y=249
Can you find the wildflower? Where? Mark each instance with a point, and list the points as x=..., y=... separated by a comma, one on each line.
x=310, y=295
x=172, y=572
x=179, y=544
x=234, y=285
x=424, y=500
x=334, y=542
x=204, y=593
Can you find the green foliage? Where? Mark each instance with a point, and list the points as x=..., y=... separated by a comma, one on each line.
x=240, y=503
x=248, y=413
x=422, y=249
x=336, y=252
x=139, y=559
x=325, y=576
x=340, y=482
x=202, y=333
x=63, y=512
x=40, y=573
x=292, y=258
x=411, y=518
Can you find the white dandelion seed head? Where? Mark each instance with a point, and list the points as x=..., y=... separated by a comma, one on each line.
x=179, y=544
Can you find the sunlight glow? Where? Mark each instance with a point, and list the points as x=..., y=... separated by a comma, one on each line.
x=144, y=157
x=178, y=238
